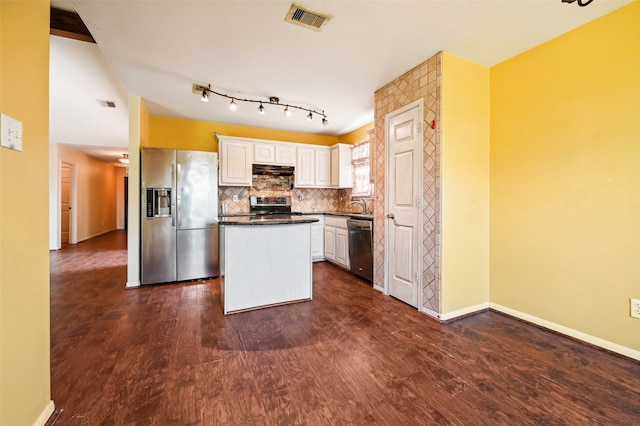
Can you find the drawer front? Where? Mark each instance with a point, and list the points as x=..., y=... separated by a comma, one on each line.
x=338, y=222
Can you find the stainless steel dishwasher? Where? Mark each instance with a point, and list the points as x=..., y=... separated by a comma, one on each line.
x=361, y=248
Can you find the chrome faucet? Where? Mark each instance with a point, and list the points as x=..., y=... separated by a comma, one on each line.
x=362, y=202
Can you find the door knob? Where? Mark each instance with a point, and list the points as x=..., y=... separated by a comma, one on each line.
x=391, y=216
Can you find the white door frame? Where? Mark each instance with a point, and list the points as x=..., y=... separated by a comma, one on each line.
x=73, y=200
x=419, y=237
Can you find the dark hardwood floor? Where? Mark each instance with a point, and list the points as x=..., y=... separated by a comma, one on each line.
x=166, y=355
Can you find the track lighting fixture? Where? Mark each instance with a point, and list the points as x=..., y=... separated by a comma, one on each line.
x=581, y=3
x=205, y=91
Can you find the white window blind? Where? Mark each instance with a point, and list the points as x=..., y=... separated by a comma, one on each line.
x=360, y=158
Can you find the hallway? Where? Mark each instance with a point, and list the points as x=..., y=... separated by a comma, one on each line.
x=166, y=355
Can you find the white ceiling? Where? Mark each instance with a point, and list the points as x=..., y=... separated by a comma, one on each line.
x=79, y=77
x=158, y=49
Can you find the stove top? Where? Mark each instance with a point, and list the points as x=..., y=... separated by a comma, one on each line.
x=278, y=205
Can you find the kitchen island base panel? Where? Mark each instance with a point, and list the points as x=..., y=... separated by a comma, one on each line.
x=266, y=265
x=267, y=306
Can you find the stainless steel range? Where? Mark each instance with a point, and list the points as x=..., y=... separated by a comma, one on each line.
x=277, y=205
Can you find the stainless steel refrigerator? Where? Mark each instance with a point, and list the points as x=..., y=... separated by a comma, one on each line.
x=179, y=215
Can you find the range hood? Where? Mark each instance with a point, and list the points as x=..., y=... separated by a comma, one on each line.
x=268, y=169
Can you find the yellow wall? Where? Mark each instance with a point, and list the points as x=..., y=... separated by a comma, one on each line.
x=358, y=135
x=565, y=179
x=25, y=395
x=179, y=133
x=465, y=185
x=96, y=193
x=121, y=173
x=139, y=134
x=145, y=126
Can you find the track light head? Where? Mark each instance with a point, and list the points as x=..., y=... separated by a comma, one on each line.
x=206, y=91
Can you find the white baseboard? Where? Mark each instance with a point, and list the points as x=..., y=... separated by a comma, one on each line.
x=429, y=312
x=132, y=284
x=43, y=418
x=596, y=341
x=96, y=235
x=380, y=289
x=464, y=311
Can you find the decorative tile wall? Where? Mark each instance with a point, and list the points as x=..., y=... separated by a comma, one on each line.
x=423, y=81
x=311, y=200
x=265, y=185
x=305, y=200
x=225, y=196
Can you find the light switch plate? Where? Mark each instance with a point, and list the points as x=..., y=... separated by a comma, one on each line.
x=11, y=130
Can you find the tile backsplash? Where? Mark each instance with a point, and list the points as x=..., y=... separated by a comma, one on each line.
x=305, y=200
x=265, y=185
x=226, y=196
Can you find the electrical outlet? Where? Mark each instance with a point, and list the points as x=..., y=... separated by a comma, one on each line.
x=635, y=308
x=234, y=197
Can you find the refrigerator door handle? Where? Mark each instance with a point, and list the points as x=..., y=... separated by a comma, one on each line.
x=178, y=187
x=173, y=185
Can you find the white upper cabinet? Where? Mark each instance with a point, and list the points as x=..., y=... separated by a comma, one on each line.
x=264, y=153
x=305, y=167
x=341, y=167
x=236, y=158
x=323, y=167
x=285, y=154
x=313, y=167
x=278, y=153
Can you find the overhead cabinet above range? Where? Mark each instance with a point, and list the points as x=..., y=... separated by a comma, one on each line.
x=280, y=154
x=313, y=164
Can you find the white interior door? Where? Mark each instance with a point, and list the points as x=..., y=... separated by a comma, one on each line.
x=65, y=201
x=404, y=149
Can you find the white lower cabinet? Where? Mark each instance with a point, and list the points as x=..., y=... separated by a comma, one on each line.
x=336, y=240
x=342, y=247
x=317, y=238
x=330, y=243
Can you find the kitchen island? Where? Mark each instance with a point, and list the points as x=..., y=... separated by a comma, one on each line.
x=267, y=261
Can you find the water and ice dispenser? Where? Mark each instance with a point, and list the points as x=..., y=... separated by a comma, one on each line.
x=158, y=202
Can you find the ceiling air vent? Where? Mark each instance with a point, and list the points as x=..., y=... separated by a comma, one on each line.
x=107, y=104
x=306, y=17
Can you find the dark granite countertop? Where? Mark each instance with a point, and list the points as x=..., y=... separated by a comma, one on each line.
x=265, y=220
x=230, y=217
x=353, y=215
